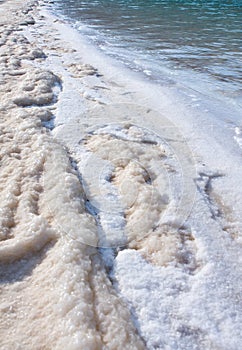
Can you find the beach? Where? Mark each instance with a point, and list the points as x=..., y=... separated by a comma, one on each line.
x=121, y=199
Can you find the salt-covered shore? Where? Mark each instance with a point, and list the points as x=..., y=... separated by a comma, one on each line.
x=120, y=209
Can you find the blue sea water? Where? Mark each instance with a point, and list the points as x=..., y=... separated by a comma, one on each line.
x=168, y=40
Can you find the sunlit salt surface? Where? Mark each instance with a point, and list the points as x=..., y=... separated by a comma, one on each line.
x=175, y=288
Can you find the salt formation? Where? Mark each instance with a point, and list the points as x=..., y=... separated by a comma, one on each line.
x=95, y=249
x=54, y=291
x=136, y=172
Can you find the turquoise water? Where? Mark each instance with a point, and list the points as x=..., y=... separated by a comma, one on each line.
x=167, y=39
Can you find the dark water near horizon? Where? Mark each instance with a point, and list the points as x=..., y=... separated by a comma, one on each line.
x=167, y=40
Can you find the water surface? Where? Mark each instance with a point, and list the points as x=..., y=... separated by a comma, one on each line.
x=166, y=39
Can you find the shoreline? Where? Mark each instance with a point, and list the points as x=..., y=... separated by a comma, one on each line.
x=87, y=150
x=205, y=81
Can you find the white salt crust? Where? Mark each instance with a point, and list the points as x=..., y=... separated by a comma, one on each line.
x=88, y=160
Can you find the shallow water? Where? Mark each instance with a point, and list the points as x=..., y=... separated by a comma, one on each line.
x=168, y=40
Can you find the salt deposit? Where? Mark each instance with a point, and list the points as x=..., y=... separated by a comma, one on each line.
x=120, y=222
x=47, y=278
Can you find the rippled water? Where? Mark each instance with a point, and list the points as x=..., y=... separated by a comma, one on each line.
x=162, y=37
